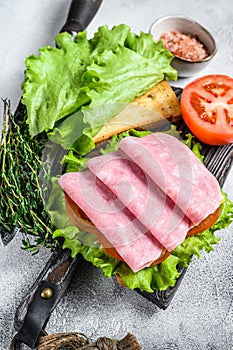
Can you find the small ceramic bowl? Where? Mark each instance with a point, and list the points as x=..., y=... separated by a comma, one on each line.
x=185, y=25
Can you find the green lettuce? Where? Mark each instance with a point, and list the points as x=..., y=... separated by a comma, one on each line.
x=90, y=80
x=158, y=277
x=51, y=88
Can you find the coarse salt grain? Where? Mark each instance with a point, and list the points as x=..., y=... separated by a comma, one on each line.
x=185, y=46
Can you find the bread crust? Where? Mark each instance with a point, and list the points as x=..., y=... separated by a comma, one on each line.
x=156, y=107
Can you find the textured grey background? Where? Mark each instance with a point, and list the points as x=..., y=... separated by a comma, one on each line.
x=201, y=314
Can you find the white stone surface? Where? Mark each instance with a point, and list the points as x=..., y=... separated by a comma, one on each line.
x=201, y=314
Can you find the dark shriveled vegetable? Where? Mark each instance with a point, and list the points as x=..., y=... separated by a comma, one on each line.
x=78, y=341
x=21, y=205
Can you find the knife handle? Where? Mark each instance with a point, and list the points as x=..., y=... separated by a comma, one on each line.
x=80, y=15
x=36, y=307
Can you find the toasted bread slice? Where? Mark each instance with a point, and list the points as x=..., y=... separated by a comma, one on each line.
x=154, y=108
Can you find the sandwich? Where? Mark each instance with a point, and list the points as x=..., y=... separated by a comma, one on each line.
x=144, y=199
x=104, y=95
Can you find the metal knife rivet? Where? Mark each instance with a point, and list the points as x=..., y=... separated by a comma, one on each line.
x=46, y=293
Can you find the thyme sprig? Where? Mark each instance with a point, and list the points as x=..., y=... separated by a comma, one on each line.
x=22, y=204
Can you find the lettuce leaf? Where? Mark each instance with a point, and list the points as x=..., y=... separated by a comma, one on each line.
x=113, y=144
x=51, y=88
x=158, y=277
x=74, y=162
x=99, y=76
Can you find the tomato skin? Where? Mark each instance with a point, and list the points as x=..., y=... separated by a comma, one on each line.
x=207, y=108
x=78, y=218
x=107, y=246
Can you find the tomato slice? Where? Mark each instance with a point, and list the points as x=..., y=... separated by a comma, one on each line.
x=207, y=108
x=79, y=219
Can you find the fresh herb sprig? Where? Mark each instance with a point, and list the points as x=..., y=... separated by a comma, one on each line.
x=22, y=205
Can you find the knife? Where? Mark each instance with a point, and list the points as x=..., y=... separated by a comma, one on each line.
x=34, y=311
x=36, y=307
x=80, y=15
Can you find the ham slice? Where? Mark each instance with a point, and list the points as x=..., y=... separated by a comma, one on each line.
x=177, y=171
x=135, y=244
x=151, y=206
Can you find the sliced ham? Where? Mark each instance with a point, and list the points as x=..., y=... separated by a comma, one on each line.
x=177, y=171
x=135, y=244
x=152, y=207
